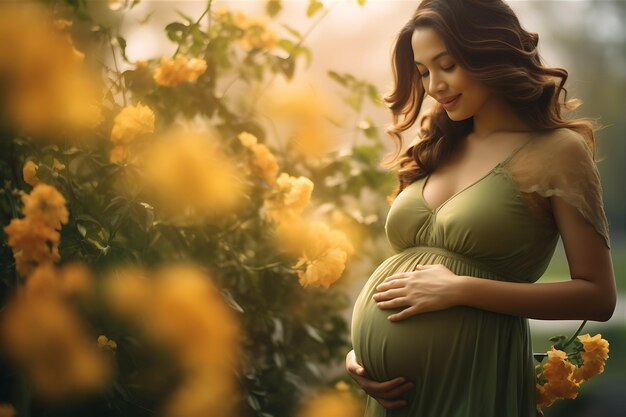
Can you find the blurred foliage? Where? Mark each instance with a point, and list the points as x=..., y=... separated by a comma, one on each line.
x=290, y=331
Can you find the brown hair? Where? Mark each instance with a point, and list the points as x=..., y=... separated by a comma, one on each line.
x=487, y=40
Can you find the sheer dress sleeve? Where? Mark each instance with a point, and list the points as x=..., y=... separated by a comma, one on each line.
x=560, y=163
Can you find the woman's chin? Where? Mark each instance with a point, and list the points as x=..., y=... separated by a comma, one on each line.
x=456, y=116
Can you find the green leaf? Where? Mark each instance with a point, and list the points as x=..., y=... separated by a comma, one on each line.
x=287, y=45
x=338, y=78
x=278, y=335
x=231, y=301
x=279, y=359
x=287, y=66
x=314, y=7
x=312, y=331
x=355, y=101
x=273, y=7
x=122, y=44
x=373, y=94
x=254, y=403
x=293, y=31
x=303, y=50
x=176, y=31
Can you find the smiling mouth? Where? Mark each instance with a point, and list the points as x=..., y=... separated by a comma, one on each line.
x=450, y=103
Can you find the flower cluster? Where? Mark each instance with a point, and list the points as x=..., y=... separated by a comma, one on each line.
x=44, y=336
x=291, y=196
x=35, y=238
x=29, y=171
x=178, y=308
x=47, y=90
x=308, y=113
x=594, y=357
x=559, y=378
x=324, y=255
x=321, y=251
x=106, y=343
x=131, y=123
x=254, y=32
x=179, y=70
x=190, y=177
x=264, y=161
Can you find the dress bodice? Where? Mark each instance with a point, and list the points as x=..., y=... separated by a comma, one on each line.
x=503, y=220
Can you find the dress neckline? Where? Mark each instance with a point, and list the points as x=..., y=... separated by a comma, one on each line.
x=488, y=173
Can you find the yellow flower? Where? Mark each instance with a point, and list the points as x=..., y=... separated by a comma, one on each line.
x=182, y=311
x=56, y=164
x=128, y=292
x=131, y=123
x=30, y=173
x=106, y=343
x=75, y=280
x=594, y=357
x=542, y=398
x=47, y=205
x=292, y=195
x=179, y=70
x=56, y=353
x=325, y=255
x=46, y=90
x=119, y=154
x=308, y=114
x=256, y=34
x=342, y=386
x=191, y=178
x=35, y=239
x=33, y=243
x=332, y=404
x=7, y=410
x=265, y=161
x=559, y=373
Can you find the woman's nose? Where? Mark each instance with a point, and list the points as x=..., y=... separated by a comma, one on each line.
x=436, y=84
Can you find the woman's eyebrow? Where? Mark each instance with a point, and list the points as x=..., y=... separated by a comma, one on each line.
x=436, y=57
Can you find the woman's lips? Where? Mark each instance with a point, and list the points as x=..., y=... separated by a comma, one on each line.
x=451, y=103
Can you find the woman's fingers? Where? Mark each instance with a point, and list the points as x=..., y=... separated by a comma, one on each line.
x=404, y=314
x=394, y=303
x=386, y=393
x=388, y=295
x=391, y=405
x=394, y=283
x=352, y=366
x=396, y=276
x=394, y=393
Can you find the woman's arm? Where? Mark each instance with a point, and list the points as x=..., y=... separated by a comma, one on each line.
x=589, y=295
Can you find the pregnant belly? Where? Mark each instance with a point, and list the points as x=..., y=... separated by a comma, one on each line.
x=425, y=344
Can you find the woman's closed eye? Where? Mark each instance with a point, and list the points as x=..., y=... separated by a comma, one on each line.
x=446, y=69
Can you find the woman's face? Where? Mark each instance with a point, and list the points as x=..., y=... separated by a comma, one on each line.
x=461, y=95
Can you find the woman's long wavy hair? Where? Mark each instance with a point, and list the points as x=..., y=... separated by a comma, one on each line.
x=486, y=40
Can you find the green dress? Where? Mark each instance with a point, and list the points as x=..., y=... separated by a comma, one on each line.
x=467, y=362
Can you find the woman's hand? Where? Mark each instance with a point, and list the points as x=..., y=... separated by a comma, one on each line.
x=386, y=393
x=428, y=288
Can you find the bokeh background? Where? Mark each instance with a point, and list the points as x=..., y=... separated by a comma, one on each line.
x=588, y=38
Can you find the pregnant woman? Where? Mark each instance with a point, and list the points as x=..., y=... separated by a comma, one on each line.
x=440, y=328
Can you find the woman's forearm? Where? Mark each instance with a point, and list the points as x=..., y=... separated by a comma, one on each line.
x=577, y=299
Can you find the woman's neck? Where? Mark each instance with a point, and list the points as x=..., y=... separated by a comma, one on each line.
x=497, y=116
